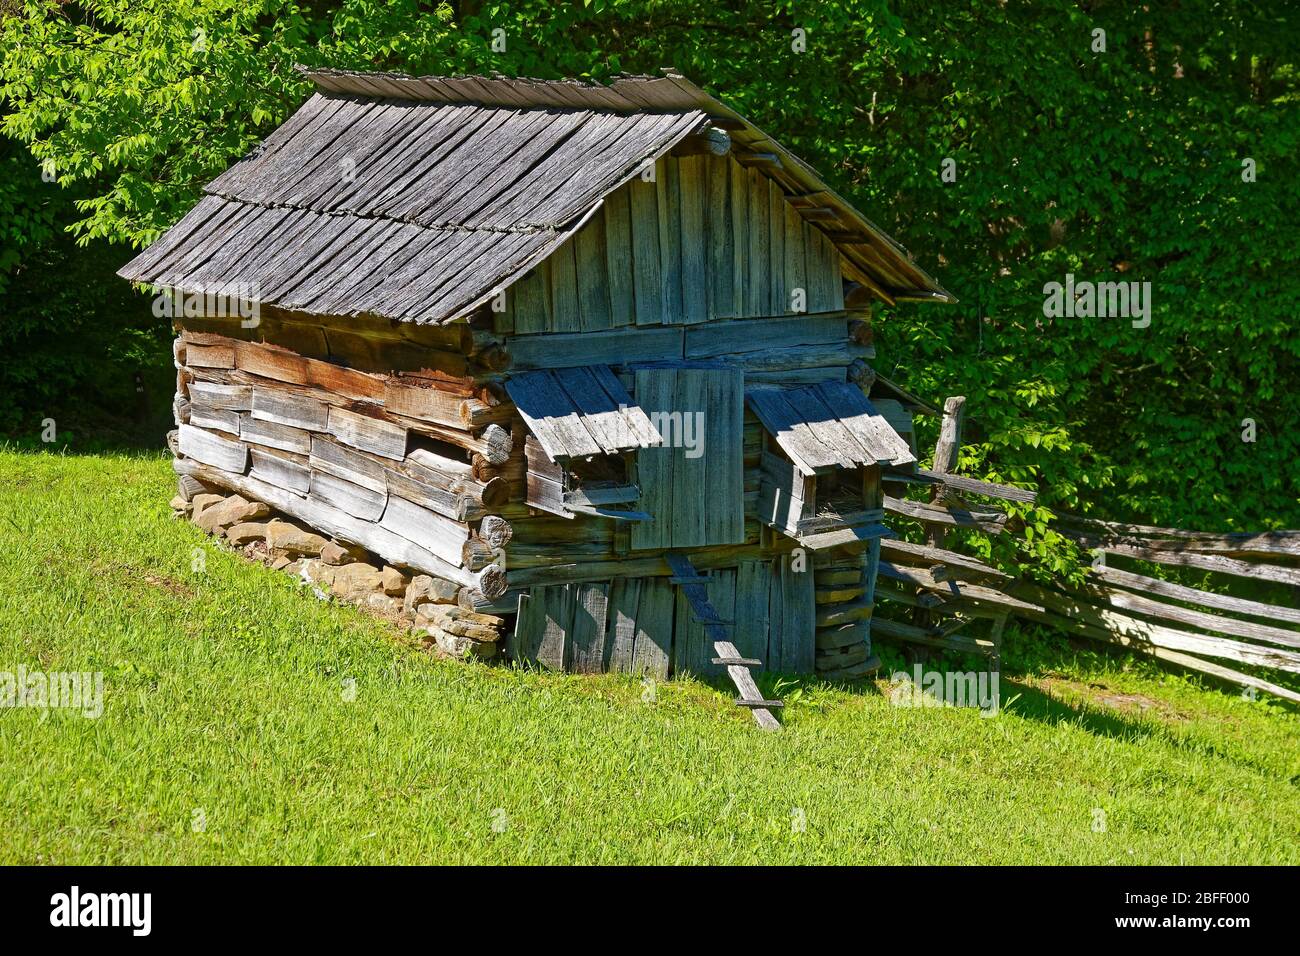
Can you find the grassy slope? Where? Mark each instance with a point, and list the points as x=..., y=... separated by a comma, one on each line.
x=224, y=694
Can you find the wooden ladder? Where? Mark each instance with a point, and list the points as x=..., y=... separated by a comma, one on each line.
x=692, y=585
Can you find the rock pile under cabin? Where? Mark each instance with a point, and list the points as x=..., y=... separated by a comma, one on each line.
x=574, y=375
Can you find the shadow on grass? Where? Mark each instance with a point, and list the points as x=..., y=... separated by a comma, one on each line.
x=113, y=440
x=1033, y=703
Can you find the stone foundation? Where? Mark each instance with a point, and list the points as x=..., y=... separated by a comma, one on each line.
x=424, y=605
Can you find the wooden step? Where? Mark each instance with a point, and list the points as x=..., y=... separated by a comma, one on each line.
x=727, y=654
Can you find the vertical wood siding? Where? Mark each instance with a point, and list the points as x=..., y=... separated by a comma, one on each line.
x=707, y=239
x=645, y=626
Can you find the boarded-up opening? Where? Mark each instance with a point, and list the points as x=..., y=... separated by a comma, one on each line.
x=692, y=486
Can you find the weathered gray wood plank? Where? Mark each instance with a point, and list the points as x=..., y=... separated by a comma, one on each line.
x=789, y=429
x=798, y=618
x=620, y=266
x=204, y=446
x=694, y=238
x=342, y=462
x=287, y=408
x=1208, y=562
x=621, y=625
x=280, y=471
x=274, y=435
x=332, y=521
x=724, y=423
x=687, y=521
x=218, y=419
x=635, y=419
x=590, y=260
x=738, y=200
x=758, y=294
x=352, y=499
x=552, y=416
x=1179, y=592
x=652, y=654
x=656, y=392
x=796, y=271
x=668, y=206
x=566, y=313
x=587, y=637
x=720, y=237
x=529, y=301
x=615, y=347
x=778, y=296
x=440, y=535
x=215, y=395
x=753, y=579
x=367, y=434
x=607, y=425
x=755, y=335
x=647, y=281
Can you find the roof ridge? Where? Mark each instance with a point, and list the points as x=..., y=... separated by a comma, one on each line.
x=625, y=93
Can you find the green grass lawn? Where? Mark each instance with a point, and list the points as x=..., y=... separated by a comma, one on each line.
x=228, y=735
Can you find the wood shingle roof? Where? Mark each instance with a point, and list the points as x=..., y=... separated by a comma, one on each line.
x=419, y=198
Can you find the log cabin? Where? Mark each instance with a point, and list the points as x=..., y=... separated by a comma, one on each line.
x=594, y=356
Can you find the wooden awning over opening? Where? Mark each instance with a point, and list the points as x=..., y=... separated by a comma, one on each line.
x=827, y=426
x=581, y=412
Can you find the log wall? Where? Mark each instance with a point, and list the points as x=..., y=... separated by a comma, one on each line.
x=387, y=462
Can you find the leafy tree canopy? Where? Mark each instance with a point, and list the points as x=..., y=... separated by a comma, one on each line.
x=1159, y=150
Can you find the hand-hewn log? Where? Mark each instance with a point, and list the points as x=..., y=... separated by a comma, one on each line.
x=495, y=531
x=862, y=375
x=491, y=580
x=437, y=497
x=477, y=554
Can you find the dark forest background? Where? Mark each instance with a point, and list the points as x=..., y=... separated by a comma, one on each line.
x=1162, y=150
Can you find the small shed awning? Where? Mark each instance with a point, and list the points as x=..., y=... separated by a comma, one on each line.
x=581, y=412
x=827, y=426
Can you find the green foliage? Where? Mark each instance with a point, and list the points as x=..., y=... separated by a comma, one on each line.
x=1122, y=164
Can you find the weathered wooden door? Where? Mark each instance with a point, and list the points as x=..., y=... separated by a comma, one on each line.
x=693, y=486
